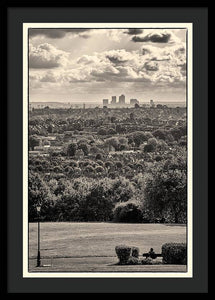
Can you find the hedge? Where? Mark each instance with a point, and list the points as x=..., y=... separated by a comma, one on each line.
x=174, y=253
x=127, y=255
x=133, y=261
x=135, y=252
x=123, y=253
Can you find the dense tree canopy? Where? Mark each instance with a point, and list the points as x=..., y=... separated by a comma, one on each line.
x=166, y=194
x=121, y=164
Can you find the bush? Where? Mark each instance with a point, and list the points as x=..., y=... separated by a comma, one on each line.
x=147, y=261
x=150, y=261
x=123, y=253
x=174, y=253
x=129, y=212
x=99, y=156
x=135, y=252
x=148, y=148
x=102, y=131
x=133, y=261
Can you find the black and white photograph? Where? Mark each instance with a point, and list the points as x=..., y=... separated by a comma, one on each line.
x=107, y=154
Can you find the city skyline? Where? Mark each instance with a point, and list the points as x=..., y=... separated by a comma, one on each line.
x=87, y=65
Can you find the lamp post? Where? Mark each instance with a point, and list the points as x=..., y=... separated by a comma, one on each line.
x=38, y=235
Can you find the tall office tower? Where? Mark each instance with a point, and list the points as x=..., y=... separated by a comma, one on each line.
x=122, y=99
x=152, y=103
x=134, y=101
x=113, y=101
x=105, y=102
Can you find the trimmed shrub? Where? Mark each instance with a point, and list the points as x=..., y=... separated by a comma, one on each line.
x=123, y=253
x=129, y=212
x=133, y=261
x=174, y=253
x=147, y=261
x=150, y=261
x=135, y=252
x=99, y=156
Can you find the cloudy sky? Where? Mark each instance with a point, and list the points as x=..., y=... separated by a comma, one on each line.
x=91, y=64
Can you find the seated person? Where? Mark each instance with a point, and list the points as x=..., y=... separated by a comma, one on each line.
x=152, y=254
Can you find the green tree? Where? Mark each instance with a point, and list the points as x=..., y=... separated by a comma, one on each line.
x=166, y=194
x=38, y=193
x=97, y=206
x=111, y=131
x=149, y=148
x=129, y=212
x=160, y=133
x=71, y=149
x=33, y=141
x=153, y=142
x=138, y=137
x=102, y=131
x=120, y=128
x=84, y=147
x=112, y=141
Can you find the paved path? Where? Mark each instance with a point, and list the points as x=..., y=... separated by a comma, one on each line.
x=97, y=264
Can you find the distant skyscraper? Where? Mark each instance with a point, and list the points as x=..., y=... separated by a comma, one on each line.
x=152, y=103
x=134, y=101
x=105, y=102
x=113, y=101
x=122, y=99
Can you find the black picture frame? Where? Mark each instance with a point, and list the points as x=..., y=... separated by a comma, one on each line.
x=15, y=283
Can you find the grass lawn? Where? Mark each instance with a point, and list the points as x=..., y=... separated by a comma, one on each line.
x=91, y=246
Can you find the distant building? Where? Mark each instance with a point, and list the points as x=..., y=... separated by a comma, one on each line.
x=152, y=103
x=113, y=101
x=122, y=99
x=105, y=102
x=159, y=106
x=134, y=101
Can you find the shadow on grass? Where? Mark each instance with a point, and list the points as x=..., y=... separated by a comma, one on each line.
x=154, y=263
x=175, y=225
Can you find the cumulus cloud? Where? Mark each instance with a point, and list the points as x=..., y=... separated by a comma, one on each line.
x=151, y=66
x=156, y=36
x=114, y=35
x=46, y=56
x=57, y=33
x=49, y=77
x=134, y=31
x=148, y=66
x=119, y=56
x=156, y=67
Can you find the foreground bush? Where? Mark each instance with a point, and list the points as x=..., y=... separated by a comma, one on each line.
x=135, y=252
x=127, y=255
x=133, y=261
x=123, y=253
x=151, y=261
x=127, y=212
x=147, y=261
x=174, y=253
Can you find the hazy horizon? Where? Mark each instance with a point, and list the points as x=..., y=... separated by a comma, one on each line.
x=100, y=102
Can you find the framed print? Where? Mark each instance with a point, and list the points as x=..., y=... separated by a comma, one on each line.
x=108, y=112
x=86, y=153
